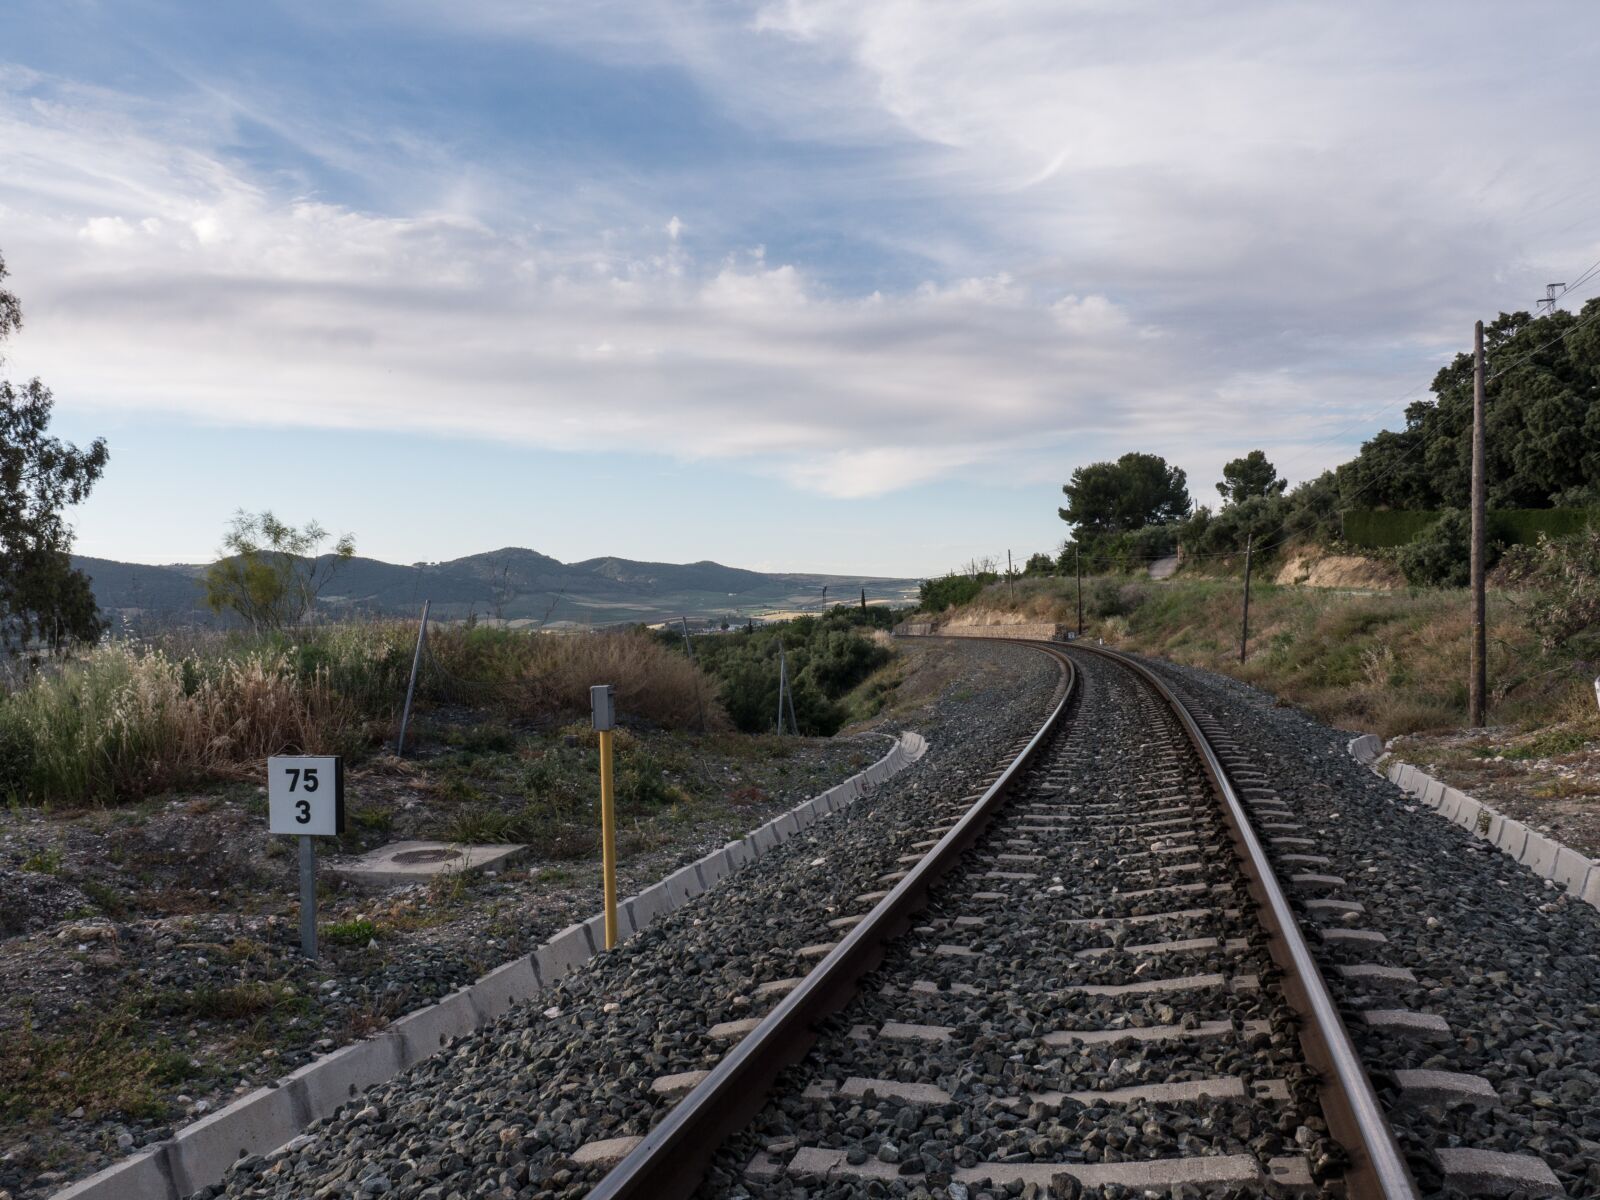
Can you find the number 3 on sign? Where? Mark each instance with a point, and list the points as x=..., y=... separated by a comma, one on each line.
x=305, y=795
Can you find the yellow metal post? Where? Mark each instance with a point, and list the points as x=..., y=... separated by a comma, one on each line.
x=608, y=838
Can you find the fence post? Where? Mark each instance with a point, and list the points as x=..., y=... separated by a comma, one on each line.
x=411, y=688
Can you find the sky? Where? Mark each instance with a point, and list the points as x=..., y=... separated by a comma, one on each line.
x=793, y=285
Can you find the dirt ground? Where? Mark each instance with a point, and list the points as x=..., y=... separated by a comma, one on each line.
x=1548, y=779
x=149, y=962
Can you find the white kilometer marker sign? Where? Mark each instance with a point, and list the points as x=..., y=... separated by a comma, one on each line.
x=305, y=798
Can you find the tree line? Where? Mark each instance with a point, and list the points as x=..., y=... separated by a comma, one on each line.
x=1543, y=451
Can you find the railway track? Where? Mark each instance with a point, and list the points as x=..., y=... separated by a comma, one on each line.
x=1069, y=958
x=1087, y=975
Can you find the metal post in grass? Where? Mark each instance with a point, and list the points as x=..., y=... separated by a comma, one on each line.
x=785, y=691
x=688, y=648
x=1478, y=675
x=602, y=710
x=308, y=897
x=411, y=688
x=305, y=799
x=1244, y=628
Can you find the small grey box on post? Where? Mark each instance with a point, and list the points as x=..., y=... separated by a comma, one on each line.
x=602, y=706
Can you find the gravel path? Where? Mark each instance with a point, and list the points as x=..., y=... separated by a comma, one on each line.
x=502, y=1111
x=1507, y=963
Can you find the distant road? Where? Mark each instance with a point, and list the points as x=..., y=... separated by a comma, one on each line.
x=1163, y=568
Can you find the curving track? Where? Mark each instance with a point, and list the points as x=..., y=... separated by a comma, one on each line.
x=1107, y=988
x=1116, y=954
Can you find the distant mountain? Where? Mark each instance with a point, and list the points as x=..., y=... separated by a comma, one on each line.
x=513, y=584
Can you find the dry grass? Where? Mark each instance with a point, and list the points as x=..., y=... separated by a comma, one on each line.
x=1390, y=662
x=550, y=676
x=120, y=722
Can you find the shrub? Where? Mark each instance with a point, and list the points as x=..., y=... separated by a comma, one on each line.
x=936, y=595
x=641, y=781
x=827, y=657
x=1440, y=556
x=1564, y=577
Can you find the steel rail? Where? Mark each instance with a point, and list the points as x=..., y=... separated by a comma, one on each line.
x=670, y=1161
x=1377, y=1169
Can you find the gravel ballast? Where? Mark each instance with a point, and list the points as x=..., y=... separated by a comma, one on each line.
x=1505, y=960
x=503, y=1111
x=1088, y=999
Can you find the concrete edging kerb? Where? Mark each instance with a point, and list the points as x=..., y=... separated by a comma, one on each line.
x=267, y=1118
x=1544, y=856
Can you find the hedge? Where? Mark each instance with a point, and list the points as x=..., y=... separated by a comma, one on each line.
x=1375, y=529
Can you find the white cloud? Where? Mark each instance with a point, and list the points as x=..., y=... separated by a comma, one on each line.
x=1185, y=229
x=1089, y=316
x=106, y=231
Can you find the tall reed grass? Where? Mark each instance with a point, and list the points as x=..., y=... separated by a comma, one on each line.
x=120, y=722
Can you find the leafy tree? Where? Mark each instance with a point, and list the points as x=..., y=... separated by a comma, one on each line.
x=1039, y=564
x=1542, y=421
x=1248, y=477
x=269, y=572
x=43, y=599
x=1115, y=497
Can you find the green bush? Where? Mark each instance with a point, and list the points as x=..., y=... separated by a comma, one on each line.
x=642, y=782
x=936, y=595
x=1563, y=575
x=1441, y=555
x=1108, y=598
x=827, y=657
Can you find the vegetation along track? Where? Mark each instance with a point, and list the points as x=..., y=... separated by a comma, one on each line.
x=1109, y=988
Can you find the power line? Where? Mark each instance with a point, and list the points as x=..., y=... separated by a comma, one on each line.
x=1562, y=336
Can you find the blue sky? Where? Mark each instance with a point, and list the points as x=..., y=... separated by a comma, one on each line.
x=799, y=284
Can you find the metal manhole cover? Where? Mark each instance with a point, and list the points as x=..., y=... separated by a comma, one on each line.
x=425, y=856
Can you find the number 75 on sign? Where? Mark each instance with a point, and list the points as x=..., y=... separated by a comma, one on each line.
x=305, y=794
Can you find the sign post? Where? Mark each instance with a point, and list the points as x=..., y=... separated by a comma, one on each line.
x=305, y=799
x=602, y=708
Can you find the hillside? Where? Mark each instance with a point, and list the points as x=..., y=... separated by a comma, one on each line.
x=1386, y=661
x=513, y=584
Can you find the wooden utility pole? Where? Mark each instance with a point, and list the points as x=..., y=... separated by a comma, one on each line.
x=1478, y=684
x=1077, y=569
x=783, y=681
x=1011, y=583
x=1244, y=629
